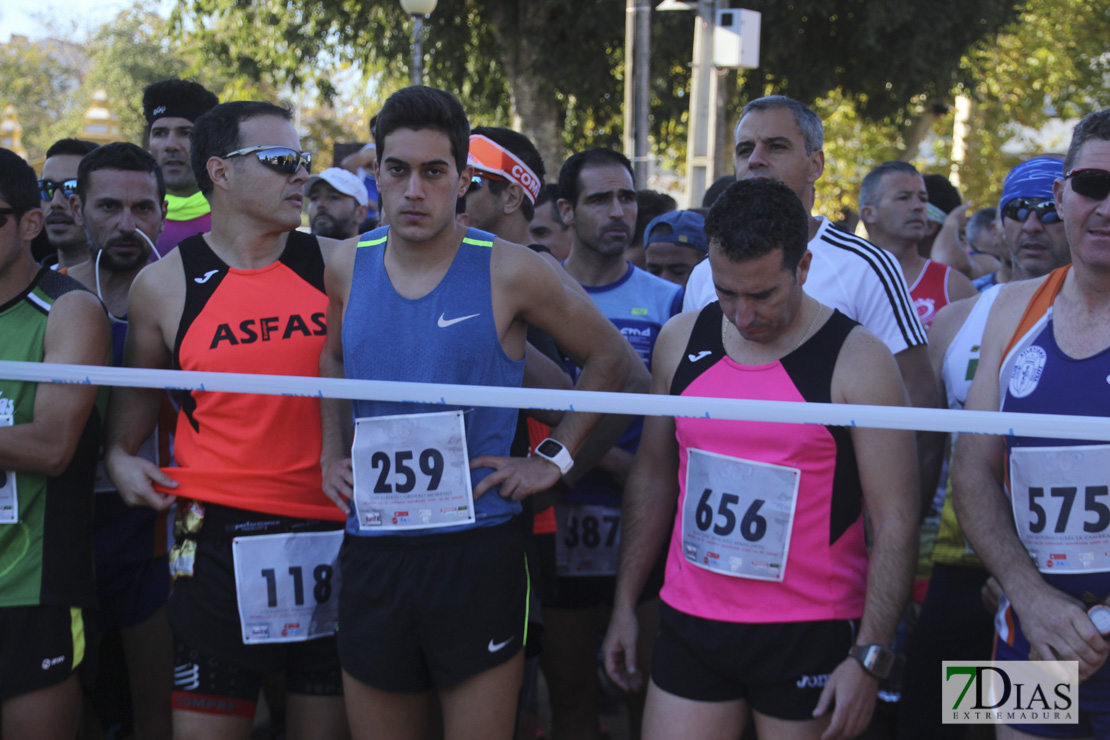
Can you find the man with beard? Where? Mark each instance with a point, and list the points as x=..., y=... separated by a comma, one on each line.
x=337, y=203
x=171, y=106
x=599, y=202
x=120, y=196
x=58, y=183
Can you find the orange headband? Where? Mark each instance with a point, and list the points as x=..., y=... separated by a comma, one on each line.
x=489, y=156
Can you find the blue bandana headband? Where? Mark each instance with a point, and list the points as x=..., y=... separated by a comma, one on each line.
x=1031, y=179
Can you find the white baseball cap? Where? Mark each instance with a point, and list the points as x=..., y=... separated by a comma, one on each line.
x=341, y=180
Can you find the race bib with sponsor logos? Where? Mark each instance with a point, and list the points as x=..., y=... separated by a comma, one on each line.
x=738, y=515
x=287, y=585
x=9, y=497
x=411, y=472
x=1061, y=502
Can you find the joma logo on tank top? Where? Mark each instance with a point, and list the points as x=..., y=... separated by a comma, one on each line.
x=268, y=328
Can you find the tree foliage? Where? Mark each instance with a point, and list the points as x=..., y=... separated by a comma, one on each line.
x=126, y=55
x=881, y=55
x=882, y=75
x=1050, y=63
x=562, y=59
x=39, y=82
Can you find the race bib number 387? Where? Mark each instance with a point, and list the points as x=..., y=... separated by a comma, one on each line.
x=588, y=540
x=411, y=472
x=1061, y=501
x=738, y=514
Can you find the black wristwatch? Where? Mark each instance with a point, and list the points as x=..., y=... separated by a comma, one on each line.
x=875, y=659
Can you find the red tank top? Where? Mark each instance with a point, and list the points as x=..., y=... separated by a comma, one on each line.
x=930, y=291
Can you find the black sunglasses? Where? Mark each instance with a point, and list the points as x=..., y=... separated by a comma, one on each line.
x=478, y=181
x=278, y=158
x=1019, y=209
x=47, y=188
x=1090, y=183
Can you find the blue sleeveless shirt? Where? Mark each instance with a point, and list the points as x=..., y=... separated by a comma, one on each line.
x=446, y=336
x=1038, y=377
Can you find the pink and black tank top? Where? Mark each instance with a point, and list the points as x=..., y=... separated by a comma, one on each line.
x=825, y=574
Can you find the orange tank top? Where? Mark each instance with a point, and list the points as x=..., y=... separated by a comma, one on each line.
x=255, y=452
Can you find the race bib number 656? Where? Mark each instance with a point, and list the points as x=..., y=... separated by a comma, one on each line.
x=738, y=514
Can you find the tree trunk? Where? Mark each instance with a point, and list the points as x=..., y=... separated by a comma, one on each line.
x=536, y=111
x=919, y=129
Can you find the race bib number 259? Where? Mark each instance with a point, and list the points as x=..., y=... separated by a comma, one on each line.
x=411, y=472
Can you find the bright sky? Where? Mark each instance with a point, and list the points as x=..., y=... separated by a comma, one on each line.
x=31, y=17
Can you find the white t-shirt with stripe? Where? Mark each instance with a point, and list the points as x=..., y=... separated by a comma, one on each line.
x=848, y=273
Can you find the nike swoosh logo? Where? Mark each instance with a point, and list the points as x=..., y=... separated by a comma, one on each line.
x=699, y=356
x=443, y=323
x=204, y=279
x=495, y=646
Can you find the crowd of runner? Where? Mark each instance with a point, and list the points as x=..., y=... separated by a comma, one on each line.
x=198, y=564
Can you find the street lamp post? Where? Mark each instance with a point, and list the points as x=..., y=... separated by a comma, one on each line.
x=418, y=9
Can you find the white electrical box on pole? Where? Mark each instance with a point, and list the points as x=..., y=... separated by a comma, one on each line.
x=736, y=38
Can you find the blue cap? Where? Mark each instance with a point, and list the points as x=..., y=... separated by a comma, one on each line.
x=1031, y=179
x=686, y=228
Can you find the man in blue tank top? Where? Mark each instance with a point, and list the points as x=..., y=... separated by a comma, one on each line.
x=433, y=601
x=597, y=198
x=1034, y=509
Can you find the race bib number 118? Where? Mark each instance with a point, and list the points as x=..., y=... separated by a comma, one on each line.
x=287, y=585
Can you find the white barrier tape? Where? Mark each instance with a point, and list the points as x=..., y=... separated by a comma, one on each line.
x=1056, y=426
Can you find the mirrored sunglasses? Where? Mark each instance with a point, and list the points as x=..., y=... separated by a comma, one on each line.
x=278, y=158
x=477, y=182
x=1090, y=183
x=1019, y=209
x=47, y=188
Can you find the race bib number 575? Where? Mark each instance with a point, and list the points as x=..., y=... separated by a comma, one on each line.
x=1061, y=502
